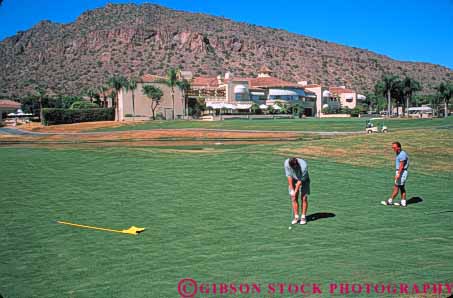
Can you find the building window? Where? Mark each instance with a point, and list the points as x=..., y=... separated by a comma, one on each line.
x=241, y=96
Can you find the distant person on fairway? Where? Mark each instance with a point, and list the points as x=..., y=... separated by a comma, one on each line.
x=296, y=170
x=401, y=164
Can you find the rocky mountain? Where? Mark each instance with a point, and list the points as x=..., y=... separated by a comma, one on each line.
x=136, y=39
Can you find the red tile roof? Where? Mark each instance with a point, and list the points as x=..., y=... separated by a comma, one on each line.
x=312, y=86
x=204, y=82
x=9, y=104
x=340, y=90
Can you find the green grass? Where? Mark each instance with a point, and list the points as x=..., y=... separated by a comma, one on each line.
x=213, y=217
x=309, y=124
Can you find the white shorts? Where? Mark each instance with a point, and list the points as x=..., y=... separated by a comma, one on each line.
x=402, y=180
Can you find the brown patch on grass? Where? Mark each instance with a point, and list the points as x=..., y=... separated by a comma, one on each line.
x=430, y=151
x=150, y=136
x=75, y=127
x=132, y=143
x=191, y=151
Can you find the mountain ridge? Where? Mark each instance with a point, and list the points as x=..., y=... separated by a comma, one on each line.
x=132, y=40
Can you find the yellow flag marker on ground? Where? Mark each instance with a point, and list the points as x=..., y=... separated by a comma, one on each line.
x=132, y=230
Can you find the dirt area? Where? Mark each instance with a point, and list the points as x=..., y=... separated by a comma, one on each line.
x=187, y=137
x=76, y=127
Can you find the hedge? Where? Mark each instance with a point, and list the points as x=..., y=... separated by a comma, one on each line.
x=63, y=116
x=83, y=105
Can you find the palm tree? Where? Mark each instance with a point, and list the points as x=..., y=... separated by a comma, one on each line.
x=155, y=94
x=435, y=100
x=171, y=81
x=409, y=87
x=270, y=109
x=370, y=100
x=398, y=94
x=184, y=85
x=132, y=85
x=117, y=83
x=445, y=91
x=101, y=91
x=387, y=85
x=40, y=93
x=90, y=92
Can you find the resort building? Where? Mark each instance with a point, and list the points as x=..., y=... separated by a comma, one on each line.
x=231, y=94
x=236, y=93
x=8, y=106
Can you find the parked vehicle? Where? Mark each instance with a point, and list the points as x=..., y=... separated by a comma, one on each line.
x=374, y=125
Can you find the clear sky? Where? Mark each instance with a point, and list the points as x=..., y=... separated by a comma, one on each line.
x=408, y=30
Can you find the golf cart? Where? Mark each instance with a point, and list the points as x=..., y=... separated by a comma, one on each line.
x=376, y=125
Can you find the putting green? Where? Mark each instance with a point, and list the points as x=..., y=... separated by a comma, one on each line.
x=218, y=218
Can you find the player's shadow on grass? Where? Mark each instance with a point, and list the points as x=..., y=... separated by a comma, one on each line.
x=319, y=215
x=414, y=200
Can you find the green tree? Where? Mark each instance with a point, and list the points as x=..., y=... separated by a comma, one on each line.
x=410, y=86
x=284, y=107
x=370, y=101
x=270, y=109
x=255, y=108
x=40, y=93
x=67, y=101
x=171, y=81
x=197, y=106
x=155, y=94
x=83, y=105
x=101, y=90
x=445, y=91
x=398, y=95
x=117, y=83
x=90, y=92
x=388, y=84
x=435, y=100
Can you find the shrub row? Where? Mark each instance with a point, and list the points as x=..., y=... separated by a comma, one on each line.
x=64, y=116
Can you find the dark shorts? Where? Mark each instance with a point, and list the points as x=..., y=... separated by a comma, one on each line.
x=304, y=190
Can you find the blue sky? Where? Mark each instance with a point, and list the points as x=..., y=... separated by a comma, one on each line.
x=408, y=30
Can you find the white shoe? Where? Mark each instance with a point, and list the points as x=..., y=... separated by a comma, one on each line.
x=295, y=220
x=386, y=203
x=303, y=221
x=401, y=204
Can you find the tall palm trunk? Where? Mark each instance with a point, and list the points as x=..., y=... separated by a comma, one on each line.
x=117, y=111
x=133, y=104
x=389, y=107
x=407, y=105
x=41, y=113
x=173, y=102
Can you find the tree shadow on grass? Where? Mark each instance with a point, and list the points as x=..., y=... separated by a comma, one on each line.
x=319, y=215
x=414, y=200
